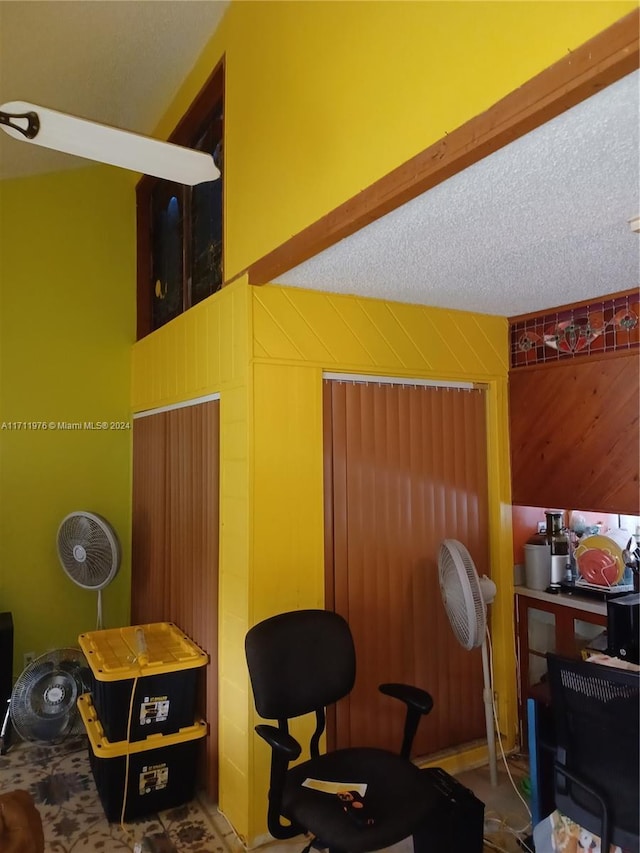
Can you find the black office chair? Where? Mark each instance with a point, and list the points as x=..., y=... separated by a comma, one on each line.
x=597, y=765
x=299, y=663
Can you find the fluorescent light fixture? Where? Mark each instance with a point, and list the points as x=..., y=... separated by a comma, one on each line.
x=51, y=129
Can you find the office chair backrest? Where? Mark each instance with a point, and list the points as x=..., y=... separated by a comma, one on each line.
x=299, y=662
x=596, y=712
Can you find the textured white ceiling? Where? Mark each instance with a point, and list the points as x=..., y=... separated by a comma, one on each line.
x=119, y=62
x=539, y=223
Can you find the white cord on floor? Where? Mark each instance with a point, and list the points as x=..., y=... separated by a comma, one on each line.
x=516, y=832
x=494, y=846
x=126, y=763
x=503, y=826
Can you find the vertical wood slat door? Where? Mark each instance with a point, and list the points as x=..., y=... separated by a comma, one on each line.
x=175, y=541
x=405, y=468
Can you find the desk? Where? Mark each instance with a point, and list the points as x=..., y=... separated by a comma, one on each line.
x=541, y=754
x=564, y=624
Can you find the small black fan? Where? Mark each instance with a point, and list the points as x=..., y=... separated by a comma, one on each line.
x=43, y=701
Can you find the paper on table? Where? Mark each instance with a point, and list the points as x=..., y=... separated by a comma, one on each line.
x=335, y=787
x=567, y=835
x=618, y=663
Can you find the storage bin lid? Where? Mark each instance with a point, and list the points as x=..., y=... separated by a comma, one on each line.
x=140, y=650
x=103, y=748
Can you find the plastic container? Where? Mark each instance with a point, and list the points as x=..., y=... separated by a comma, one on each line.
x=156, y=662
x=537, y=566
x=161, y=770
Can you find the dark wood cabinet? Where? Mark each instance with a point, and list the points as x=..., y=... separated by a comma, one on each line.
x=551, y=623
x=575, y=438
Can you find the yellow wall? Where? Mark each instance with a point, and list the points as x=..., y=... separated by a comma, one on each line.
x=297, y=334
x=203, y=351
x=67, y=323
x=271, y=539
x=323, y=98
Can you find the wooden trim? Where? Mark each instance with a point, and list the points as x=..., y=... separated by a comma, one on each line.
x=602, y=60
x=534, y=315
x=578, y=358
x=200, y=110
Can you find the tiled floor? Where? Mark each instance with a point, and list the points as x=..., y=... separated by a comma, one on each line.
x=505, y=815
x=61, y=782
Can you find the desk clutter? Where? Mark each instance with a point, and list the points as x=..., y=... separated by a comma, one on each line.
x=140, y=719
x=557, y=832
x=584, y=756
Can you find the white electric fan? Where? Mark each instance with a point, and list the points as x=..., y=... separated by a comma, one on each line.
x=465, y=597
x=89, y=551
x=51, y=129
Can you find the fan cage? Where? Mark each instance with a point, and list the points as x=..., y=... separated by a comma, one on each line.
x=462, y=594
x=43, y=700
x=88, y=549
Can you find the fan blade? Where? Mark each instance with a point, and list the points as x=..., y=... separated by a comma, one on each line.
x=110, y=145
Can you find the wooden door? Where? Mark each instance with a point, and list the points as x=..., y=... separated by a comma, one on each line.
x=175, y=541
x=405, y=467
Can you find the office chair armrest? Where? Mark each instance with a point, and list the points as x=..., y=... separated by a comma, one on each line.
x=281, y=742
x=413, y=697
x=418, y=703
x=284, y=748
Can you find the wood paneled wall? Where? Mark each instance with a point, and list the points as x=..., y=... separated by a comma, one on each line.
x=405, y=467
x=575, y=438
x=175, y=541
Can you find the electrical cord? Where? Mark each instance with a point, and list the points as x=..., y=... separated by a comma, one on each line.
x=127, y=759
x=503, y=826
x=493, y=846
x=516, y=832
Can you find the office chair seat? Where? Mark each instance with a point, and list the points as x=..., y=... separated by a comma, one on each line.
x=397, y=797
x=299, y=662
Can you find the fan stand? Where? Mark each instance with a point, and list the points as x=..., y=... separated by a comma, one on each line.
x=487, y=695
x=99, y=616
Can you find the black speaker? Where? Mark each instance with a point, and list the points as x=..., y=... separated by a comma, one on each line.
x=458, y=825
x=623, y=627
x=6, y=659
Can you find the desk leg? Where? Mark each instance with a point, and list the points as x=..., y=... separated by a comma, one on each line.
x=534, y=760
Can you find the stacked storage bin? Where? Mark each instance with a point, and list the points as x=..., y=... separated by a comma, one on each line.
x=140, y=717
